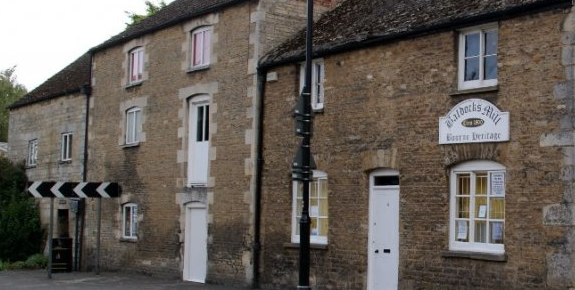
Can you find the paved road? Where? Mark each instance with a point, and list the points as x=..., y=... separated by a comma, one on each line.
x=38, y=279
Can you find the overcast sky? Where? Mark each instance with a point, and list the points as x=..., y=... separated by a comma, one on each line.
x=41, y=37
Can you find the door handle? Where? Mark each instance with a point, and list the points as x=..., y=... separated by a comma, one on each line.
x=377, y=251
x=387, y=251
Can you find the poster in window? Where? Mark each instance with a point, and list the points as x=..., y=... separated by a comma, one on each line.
x=498, y=183
x=497, y=231
x=482, y=211
x=461, y=230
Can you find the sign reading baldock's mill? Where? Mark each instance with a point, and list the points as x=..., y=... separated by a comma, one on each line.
x=474, y=121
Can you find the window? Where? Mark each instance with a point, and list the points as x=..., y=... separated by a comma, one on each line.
x=478, y=57
x=201, y=47
x=32, y=152
x=317, y=79
x=199, y=140
x=66, y=150
x=130, y=221
x=136, y=65
x=318, y=208
x=477, y=207
x=133, y=124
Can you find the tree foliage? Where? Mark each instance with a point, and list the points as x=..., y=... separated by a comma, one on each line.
x=151, y=9
x=20, y=232
x=10, y=91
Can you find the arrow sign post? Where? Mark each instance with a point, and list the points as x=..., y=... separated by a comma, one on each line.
x=41, y=189
x=60, y=189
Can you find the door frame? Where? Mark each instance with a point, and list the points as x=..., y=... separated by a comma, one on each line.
x=372, y=212
x=188, y=228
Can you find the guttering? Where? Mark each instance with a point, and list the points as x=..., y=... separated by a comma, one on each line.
x=262, y=77
x=327, y=49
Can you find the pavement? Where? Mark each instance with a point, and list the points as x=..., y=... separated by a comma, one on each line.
x=38, y=279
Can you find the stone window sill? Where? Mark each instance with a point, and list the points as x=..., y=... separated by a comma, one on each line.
x=197, y=68
x=311, y=246
x=129, y=240
x=475, y=256
x=474, y=91
x=131, y=145
x=135, y=84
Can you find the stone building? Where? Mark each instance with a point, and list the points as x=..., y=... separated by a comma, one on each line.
x=47, y=132
x=172, y=114
x=443, y=143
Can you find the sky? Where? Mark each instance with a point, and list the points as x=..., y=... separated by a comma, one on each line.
x=41, y=37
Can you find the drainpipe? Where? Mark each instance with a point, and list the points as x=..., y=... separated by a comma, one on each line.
x=80, y=213
x=259, y=168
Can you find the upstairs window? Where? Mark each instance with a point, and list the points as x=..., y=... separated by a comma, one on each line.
x=130, y=221
x=201, y=47
x=32, y=153
x=136, y=65
x=133, y=125
x=318, y=208
x=478, y=57
x=477, y=207
x=66, y=147
x=317, y=79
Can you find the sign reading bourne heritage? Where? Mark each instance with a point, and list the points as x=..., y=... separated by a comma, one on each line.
x=474, y=121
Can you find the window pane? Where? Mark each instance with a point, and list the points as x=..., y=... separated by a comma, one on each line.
x=472, y=44
x=200, y=124
x=472, y=69
x=127, y=220
x=207, y=123
x=323, y=207
x=323, y=226
x=480, y=232
x=206, y=48
x=463, y=184
x=130, y=127
x=491, y=42
x=197, y=57
x=481, y=184
x=497, y=208
x=497, y=230
x=490, y=69
x=385, y=180
x=462, y=231
x=462, y=207
x=137, y=122
x=313, y=189
x=322, y=188
x=313, y=227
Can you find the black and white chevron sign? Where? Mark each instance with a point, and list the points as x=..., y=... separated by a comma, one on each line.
x=57, y=189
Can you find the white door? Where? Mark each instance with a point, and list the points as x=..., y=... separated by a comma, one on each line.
x=198, y=140
x=383, y=255
x=196, y=245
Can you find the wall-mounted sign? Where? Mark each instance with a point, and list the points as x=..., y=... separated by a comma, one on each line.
x=474, y=121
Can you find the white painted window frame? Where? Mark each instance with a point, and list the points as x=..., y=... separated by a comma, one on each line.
x=481, y=82
x=205, y=53
x=472, y=167
x=136, y=65
x=32, y=153
x=133, y=125
x=314, y=238
x=66, y=147
x=317, y=83
x=130, y=221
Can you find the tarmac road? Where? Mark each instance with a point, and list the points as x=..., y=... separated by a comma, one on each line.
x=38, y=279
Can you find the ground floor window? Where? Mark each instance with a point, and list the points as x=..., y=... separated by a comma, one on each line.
x=130, y=221
x=318, y=208
x=477, y=207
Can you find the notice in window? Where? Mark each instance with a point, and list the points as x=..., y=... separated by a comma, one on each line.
x=461, y=230
x=497, y=231
x=482, y=211
x=498, y=183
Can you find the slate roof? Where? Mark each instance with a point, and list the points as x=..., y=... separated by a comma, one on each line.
x=174, y=13
x=361, y=23
x=77, y=74
x=65, y=82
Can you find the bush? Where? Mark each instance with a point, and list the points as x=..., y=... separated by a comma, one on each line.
x=20, y=231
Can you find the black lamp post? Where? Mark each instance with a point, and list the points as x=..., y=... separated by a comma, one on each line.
x=303, y=162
